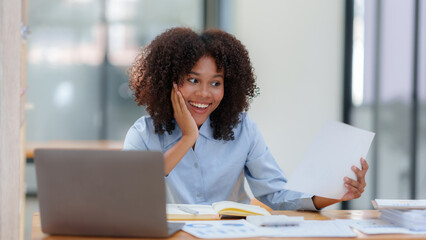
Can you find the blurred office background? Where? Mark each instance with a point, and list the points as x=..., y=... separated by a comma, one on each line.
x=358, y=61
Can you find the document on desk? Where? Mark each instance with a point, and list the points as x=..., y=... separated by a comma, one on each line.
x=377, y=226
x=223, y=229
x=329, y=159
x=313, y=228
x=244, y=229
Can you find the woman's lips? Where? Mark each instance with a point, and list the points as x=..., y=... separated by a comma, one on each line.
x=199, y=107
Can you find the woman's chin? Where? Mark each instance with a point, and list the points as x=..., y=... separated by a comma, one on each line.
x=199, y=121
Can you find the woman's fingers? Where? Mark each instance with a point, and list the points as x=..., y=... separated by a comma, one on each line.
x=360, y=175
x=175, y=101
x=356, y=187
x=182, y=115
x=354, y=184
x=364, y=165
x=352, y=193
x=181, y=102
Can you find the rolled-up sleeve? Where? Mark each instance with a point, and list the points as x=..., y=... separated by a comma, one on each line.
x=266, y=179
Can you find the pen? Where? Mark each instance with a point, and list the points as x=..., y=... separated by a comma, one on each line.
x=290, y=224
x=188, y=210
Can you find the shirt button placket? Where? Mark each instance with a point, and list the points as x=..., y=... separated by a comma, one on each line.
x=199, y=192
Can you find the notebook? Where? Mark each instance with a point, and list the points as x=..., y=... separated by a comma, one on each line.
x=102, y=193
x=218, y=210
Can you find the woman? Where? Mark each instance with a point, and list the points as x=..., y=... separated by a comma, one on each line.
x=197, y=89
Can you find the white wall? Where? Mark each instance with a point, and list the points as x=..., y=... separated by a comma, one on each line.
x=296, y=48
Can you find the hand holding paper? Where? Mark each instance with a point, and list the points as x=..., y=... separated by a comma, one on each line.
x=356, y=187
x=336, y=149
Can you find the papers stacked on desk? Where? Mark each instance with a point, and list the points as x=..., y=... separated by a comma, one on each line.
x=397, y=217
x=410, y=214
x=399, y=204
x=378, y=226
x=412, y=219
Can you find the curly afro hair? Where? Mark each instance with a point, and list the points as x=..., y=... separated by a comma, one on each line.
x=172, y=55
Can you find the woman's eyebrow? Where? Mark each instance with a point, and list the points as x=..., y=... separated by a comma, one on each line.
x=197, y=74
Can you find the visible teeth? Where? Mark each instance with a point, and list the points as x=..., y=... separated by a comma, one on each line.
x=199, y=105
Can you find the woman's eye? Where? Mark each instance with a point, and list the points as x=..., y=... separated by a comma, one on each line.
x=215, y=84
x=192, y=80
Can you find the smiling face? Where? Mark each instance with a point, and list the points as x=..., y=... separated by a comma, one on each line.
x=202, y=89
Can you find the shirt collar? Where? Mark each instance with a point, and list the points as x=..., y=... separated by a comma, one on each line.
x=206, y=131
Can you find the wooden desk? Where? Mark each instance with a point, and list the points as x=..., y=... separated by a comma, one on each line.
x=98, y=144
x=323, y=215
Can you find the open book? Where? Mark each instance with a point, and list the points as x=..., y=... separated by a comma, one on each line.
x=215, y=211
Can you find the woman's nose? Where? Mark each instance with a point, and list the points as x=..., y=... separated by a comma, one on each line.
x=203, y=91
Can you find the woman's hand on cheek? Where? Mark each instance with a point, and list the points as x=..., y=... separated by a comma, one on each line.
x=182, y=115
x=356, y=188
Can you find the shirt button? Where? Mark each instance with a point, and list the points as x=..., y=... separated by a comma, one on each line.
x=196, y=165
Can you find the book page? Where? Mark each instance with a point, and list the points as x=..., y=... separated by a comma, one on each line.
x=204, y=212
x=238, y=209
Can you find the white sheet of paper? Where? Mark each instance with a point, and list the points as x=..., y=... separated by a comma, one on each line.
x=337, y=147
x=313, y=228
x=223, y=229
x=244, y=229
x=377, y=226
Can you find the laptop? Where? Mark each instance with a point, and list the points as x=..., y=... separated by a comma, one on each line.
x=105, y=193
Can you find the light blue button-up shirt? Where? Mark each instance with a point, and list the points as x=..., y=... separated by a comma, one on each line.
x=215, y=169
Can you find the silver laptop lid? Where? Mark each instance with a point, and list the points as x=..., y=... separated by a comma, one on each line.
x=101, y=192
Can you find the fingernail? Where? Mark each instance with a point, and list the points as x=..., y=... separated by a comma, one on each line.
x=346, y=179
x=353, y=168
